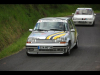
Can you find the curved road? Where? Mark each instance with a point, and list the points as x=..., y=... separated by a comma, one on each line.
x=85, y=58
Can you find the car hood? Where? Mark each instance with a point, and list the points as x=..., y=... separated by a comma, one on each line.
x=47, y=34
x=83, y=16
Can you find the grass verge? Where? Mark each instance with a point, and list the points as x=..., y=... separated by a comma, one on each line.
x=15, y=47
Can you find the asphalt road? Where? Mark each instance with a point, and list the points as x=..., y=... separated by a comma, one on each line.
x=85, y=58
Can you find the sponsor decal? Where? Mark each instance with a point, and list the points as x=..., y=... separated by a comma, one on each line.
x=36, y=34
x=84, y=18
x=48, y=37
x=52, y=36
x=58, y=36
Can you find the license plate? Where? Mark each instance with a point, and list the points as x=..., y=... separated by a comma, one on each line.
x=45, y=47
x=82, y=21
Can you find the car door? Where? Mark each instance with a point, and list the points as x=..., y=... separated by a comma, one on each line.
x=93, y=15
x=76, y=34
x=72, y=32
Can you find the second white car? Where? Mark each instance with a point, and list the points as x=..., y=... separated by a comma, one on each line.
x=84, y=16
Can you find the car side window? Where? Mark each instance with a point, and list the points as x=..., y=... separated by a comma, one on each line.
x=70, y=24
x=92, y=12
x=66, y=26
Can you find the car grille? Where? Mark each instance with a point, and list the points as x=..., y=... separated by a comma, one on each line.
x=81, y=19
x=51, y=50
x=44, y=41
x=78, y=19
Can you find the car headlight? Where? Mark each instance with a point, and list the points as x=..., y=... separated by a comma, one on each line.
x=31, y=40
x=75, y=18
x=60, y=40
x=90, y=18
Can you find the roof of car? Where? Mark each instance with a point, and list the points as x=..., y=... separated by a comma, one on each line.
x=55, y=18
x=84, y=8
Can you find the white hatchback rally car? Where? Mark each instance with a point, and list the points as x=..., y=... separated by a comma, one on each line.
x=52, y=35
x=84, y=16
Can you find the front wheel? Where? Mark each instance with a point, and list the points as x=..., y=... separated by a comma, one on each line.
x=68, y=49
x=93, y=23
x=28, y=54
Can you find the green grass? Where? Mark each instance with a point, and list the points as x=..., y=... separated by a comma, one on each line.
x=16, y=19
x=15, y=47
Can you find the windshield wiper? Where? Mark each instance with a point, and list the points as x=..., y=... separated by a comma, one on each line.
x=56, y=29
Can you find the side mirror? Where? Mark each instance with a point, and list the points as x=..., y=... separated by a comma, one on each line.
x=72, y=30
x=72, y=13
x=30, y=30
x=94, y=14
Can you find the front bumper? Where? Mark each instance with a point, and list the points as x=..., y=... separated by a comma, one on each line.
x=57, y=48
x=83, y=22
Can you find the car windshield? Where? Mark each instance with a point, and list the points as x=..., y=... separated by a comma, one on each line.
x=57, y=26
x=83, y=12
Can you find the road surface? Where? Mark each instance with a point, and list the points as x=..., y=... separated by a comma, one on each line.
x=85, y=58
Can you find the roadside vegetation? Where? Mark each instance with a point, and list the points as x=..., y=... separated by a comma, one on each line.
x=16, y=19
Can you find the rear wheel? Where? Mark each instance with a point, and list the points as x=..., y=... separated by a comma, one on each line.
x=76, y=46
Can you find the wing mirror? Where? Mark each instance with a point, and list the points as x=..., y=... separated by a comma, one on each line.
x=94, y=14
x=30, y=30
x=72, y=30
x=72, y=13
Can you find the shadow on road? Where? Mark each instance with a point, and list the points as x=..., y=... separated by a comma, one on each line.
x=84, y=26
x=54, y=55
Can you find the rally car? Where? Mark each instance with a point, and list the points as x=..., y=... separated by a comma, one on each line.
x=84, y=16
x=52, y=35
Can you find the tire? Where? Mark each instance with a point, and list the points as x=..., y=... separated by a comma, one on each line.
x=93, y=23
x=68, y=49
x=76, y=46
x=28, y=54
